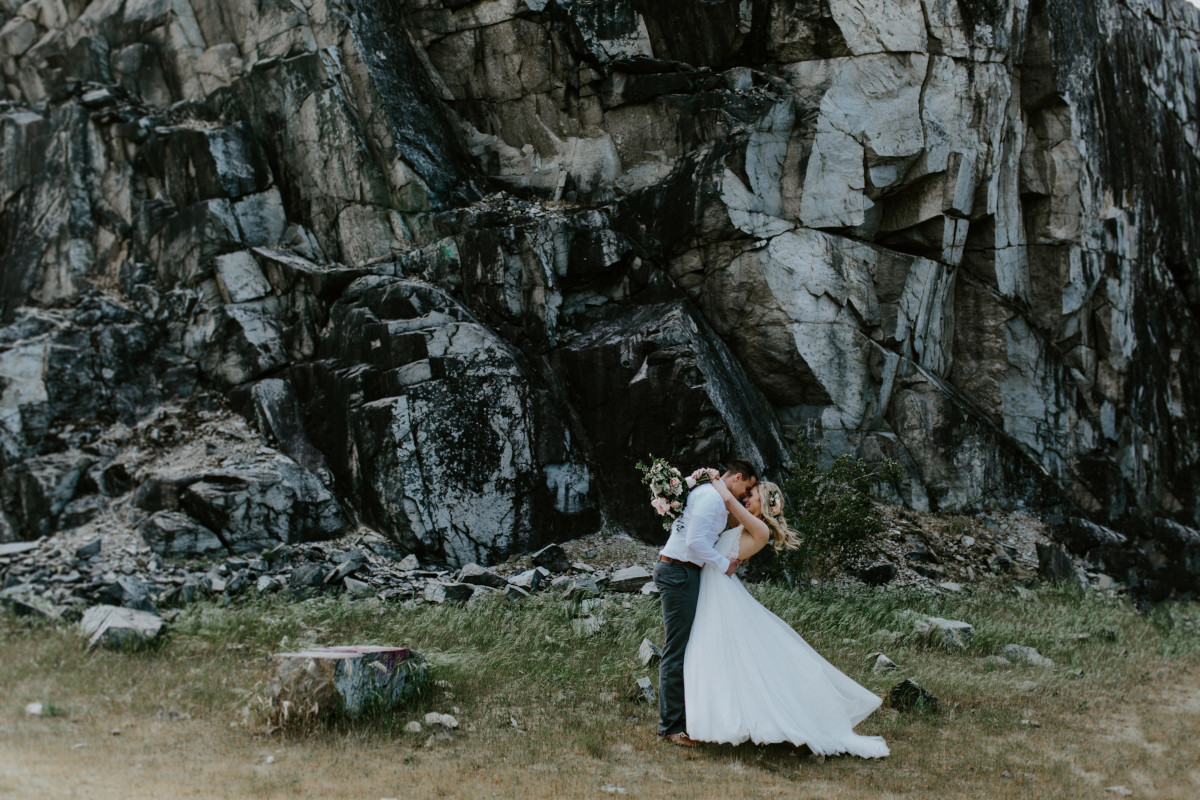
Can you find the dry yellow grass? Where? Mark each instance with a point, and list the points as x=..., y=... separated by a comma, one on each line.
x=1132, y=719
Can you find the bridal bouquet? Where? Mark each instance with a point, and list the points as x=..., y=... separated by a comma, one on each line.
x=668, y=486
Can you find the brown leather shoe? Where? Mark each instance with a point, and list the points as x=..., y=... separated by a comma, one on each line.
x=682, y=740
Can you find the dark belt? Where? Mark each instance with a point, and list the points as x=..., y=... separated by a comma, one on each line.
x=669, y=560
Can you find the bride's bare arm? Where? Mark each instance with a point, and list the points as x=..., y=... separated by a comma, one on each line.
x=754, y=530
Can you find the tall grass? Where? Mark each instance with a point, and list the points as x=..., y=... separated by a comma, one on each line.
x=532, y=694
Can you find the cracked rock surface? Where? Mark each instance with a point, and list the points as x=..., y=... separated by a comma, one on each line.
x=449, y=269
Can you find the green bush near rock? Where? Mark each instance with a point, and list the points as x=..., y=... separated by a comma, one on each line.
x=831, y=509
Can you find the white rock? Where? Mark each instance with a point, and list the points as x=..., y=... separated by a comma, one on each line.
x=1025, y=655
x=434, y=718
x=112, y=626
x=947, y=633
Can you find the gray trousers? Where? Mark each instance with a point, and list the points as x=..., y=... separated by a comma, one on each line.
x=679, y=588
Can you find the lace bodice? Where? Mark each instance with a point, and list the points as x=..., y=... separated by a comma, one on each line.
x=729, y=541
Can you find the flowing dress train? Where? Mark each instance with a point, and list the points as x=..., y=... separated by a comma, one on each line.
x=748, y=676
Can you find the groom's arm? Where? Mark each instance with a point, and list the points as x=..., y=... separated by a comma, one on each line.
x=707, y=516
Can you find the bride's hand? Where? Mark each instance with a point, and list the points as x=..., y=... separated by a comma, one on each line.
x=723, y=490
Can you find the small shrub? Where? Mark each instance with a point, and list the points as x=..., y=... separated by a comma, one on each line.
x=831, y=511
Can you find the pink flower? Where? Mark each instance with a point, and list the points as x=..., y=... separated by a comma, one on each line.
x=674, y=504
x=674, y=482
x=661, y=505
x=691, y=482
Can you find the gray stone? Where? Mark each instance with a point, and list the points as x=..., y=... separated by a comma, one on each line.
x=649, y=588
x=643, y=692
x=881, y=664
x=307, y=577
x=348, y=680
x=1054, y=564
x=582, y=586
x=251, y=504
x=409, y=563
x=528, y=581
x=90, y=549
x=513, y=592
x=9, y=549
x=878, y=574
x=172, y=534
x=649, y=653
x=945, y=633
x=909, y=695
x=480, y=576
x=629, y=579
x=1021, y=654
x=114, y=627
x=346, y=568
x=357, y=588
x=553, y=558
x=441, y=592
x=128, y=592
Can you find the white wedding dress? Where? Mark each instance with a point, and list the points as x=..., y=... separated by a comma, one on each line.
x=748, y=676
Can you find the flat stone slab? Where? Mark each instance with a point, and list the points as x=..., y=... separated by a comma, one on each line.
x=344, y=680
x=950, y=634
x=113, y=626
x=16, y=548
x=630, y=579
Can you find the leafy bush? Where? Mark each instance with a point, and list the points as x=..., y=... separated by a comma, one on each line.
x=831, y=512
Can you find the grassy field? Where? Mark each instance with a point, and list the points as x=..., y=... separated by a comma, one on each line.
x=544, y=712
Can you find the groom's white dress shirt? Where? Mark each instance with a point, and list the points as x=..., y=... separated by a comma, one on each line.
x=694, y=535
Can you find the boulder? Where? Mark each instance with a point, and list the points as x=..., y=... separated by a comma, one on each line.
x=878, y=574
x=909, y=695
x=649, y=653
x=90, y=549
x=643, y=692
x=127, y=592
x=480, y=576
x=307, y=576
x=172, y=534
x=948, y=634
x=552, y=557
x=1021, y=654
x=513, y=592
x=251, y=505
x=114, y=627
x=528, y=581
x=343, y=680
x=629, y=579
x=881, y=664
x=442, y=592
x=581, y=587
x=1054, y=564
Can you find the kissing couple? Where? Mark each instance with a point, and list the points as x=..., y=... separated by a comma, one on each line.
x=731, y=670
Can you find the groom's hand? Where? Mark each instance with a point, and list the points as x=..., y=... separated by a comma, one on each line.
x=733, y=565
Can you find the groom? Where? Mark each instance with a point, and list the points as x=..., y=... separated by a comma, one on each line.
x=677, y=575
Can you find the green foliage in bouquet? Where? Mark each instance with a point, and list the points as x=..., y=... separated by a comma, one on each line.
x=831, y=512
x=668, y=488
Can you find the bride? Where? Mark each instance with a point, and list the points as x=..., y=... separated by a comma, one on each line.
x=747, y=674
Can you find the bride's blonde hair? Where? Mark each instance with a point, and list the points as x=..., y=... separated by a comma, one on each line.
x=771, y=510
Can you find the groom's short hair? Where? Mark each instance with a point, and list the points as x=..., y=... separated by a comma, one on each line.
x=739, y=466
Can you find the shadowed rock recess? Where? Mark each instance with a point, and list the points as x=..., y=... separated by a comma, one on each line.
x=464, y=263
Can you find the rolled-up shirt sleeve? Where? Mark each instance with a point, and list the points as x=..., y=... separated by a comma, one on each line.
x=707, y=518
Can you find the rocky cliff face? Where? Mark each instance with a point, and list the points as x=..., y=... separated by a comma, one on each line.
x=466, y=262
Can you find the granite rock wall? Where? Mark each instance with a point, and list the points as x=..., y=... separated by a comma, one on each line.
x=466, y=262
